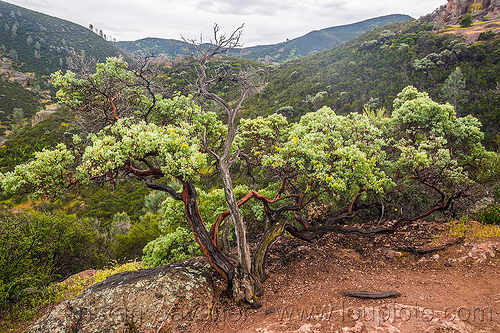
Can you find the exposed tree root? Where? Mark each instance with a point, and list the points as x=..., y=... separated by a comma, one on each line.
x=370, y=294
x=413, y=250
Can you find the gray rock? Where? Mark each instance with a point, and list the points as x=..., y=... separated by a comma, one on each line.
x=41, y=116
x=166, y=298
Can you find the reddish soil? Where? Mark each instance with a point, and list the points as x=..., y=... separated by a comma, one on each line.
x=453, y=290
x=473, y=32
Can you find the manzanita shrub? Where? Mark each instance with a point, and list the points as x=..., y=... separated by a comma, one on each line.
x=353, y=162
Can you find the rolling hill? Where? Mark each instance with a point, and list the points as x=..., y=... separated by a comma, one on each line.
x=44, y=44
x=312, y=42
x=34, y=45
x=372, y=69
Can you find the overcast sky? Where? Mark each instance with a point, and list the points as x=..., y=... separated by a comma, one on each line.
x=266, y=21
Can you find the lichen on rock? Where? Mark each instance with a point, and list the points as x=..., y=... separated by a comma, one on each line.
x=162, y=299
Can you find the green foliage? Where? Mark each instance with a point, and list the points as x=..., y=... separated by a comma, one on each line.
x=105, y=201
x=490, y=215
x=19, y=117
x=40, y=248
x=496, y=192
x=175, y=246
x=352, y=74
x=179, y=152
x=173, y=137
x=287, y=111
x=466, y=21
x=130, y=246
x=21, y=145
x=177, y=145
x=153, y=201
x=120, y=224
x=486, y=35
x=454, y=91
x=14, y=96
x=362, y=157
x=47, y=173
x=325, y=153
x=13, y=55
x=433, y=139
x=51, y=39
x=489, y=170
x=375, y=114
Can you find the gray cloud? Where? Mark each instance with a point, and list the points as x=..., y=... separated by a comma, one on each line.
x=250, y=7
x=266, y=21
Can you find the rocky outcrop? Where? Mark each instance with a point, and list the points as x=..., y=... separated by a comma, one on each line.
x=162, y=299
x=14, y=76
x=455, y=10
x=487, y=9
x=43, y=114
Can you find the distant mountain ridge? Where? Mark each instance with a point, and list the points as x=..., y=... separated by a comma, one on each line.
x=314, y=41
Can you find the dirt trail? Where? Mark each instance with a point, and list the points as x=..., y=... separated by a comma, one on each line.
x=453, y=290
x=473, y=32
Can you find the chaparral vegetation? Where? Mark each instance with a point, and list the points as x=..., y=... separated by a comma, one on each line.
x=421, y=157
x=155, y=161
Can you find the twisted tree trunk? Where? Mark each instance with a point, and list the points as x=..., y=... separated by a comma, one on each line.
x=216, y=258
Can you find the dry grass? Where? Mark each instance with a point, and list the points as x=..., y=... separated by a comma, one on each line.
x=471, y=230
x=76, y=284
x=473, y=31
x=102, y=274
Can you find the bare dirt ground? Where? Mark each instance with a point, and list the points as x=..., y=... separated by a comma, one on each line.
x=453, y=290
x=456, y=289
x=473, y=32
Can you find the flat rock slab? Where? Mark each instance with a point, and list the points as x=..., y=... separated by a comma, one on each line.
x=166, y=298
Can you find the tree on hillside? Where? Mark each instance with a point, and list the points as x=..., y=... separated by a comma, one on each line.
x=14, y=29
x=247, y=82
x=466, y=21
x=454, y=90
x=356, y=163
x=13, y=55
x=18, y=115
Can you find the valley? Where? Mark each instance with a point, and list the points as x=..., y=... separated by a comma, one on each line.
x=334, y=156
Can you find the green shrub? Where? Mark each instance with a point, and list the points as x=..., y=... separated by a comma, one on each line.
x=175, y=246
x=129, y=246
x=38, y=249
x=496, y=192
x=466, y=21
x=486, y=35
x=490, y=215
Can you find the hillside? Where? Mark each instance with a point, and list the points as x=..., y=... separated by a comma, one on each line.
x=32, y=46
x=14, y=95
x=355, y=171
x=371, y=69
x=314, y=41
x=155, y=46
x=43, y=44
